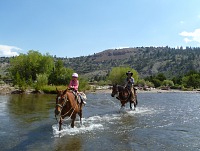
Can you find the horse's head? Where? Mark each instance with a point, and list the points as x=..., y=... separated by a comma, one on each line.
x=114, y=90
x=61, y=100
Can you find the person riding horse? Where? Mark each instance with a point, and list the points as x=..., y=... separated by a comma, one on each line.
x=73, y=85
x=129, y=85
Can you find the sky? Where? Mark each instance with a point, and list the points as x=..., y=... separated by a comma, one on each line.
x=74, y=28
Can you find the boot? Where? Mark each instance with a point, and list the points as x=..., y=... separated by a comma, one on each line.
x=83, y=102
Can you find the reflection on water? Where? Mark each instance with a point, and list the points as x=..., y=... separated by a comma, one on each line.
x=35, y=107
x=24, y=118
x=163, y=121
x=74, y=143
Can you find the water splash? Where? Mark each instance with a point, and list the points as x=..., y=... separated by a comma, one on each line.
x=97, y=122
x=67, y=130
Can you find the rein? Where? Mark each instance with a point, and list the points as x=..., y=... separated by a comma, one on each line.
x=67, y=113
x=66, y=100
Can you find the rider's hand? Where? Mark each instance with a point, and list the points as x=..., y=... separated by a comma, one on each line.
x=71, y=87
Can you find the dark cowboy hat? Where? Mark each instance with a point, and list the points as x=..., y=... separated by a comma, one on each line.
x=129, y=72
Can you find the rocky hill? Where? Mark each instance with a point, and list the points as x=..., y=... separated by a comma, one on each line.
x=145, y=60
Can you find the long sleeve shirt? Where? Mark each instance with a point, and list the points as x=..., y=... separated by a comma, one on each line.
x=74, y=84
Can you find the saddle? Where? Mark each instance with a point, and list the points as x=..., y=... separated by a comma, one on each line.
x=131, y=93
x=80, y=97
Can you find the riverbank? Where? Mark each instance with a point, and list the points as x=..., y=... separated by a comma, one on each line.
x=150, y=91
x=7, y=89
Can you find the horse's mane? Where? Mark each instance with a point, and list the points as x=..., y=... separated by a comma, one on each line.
x=120, y=87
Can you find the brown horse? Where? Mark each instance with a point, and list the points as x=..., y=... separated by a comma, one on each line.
x=124, y=95
x=67, y=104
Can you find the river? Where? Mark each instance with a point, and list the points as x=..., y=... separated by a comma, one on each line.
x=161, y=122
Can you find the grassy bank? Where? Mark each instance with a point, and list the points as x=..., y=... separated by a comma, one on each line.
x=51, y=89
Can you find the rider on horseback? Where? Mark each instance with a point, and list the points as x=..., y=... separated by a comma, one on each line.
x=129, y=84
x=74, y=84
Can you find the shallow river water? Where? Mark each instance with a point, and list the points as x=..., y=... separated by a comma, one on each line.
x=161, y=122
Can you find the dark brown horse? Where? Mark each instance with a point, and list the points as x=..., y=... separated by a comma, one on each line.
x=124, y=95
x=67, y=105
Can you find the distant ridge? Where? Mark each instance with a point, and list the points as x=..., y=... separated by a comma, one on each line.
x=146, y=60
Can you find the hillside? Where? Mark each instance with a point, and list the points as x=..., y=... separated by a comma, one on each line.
x=4, y=64
x=146, y=60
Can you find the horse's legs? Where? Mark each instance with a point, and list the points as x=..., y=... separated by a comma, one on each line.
x=131, y=105
x=60, y=124
x=73, y=119
x=122, y=104
x=80, y=114
x=136, y=99
x=135, y=102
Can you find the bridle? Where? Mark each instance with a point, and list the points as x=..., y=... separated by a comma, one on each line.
x=63, y=104
x=115, y=90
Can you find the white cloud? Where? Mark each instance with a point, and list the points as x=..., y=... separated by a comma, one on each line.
x=187, y=40
x=8, y=51
x=191, y=36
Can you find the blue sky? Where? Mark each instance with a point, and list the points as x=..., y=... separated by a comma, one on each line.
x=73, y=28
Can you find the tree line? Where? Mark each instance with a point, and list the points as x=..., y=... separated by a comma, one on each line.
x=36, y=70
x=189, y=81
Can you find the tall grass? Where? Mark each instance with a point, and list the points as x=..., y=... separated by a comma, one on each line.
x=52, y=88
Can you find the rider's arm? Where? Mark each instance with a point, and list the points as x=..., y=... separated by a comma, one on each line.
x=76, y=86
x=132, y=80
x=70, y=84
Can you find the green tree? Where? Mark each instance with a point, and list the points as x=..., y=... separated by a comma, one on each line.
x=177, y=80
x=20, y=82
x=168, y=83
x=150, y=84
x=28, y=66
x=156, y=82
x=141, y=82
x=161, y=77
x=60, y=75
x=192, y=80
x=83, y=84
x=118, y=75
x=42, y=80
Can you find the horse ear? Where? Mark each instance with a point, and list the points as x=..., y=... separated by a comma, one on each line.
x=65, y=91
